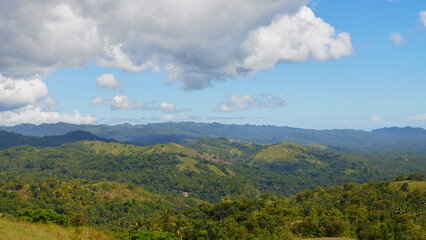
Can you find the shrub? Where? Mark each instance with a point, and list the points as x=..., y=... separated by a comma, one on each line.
x=44, y=216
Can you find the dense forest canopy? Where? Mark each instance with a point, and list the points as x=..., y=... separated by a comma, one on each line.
x=216, y=189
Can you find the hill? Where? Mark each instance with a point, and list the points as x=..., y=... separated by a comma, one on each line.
x=11, y=229
x=8, y=139
x=383, y=140
x=374, y=210
x=203, y=169
x=287, y=152
x=216, y=189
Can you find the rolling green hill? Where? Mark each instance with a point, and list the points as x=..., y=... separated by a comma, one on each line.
x=8, y=139
x=216, y=189
x=12, y=229
x=287, y=152
x=383, y=140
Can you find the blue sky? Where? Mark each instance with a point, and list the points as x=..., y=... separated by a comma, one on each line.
x=317, y=64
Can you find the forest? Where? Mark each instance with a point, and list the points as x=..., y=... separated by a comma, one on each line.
x=215, y=189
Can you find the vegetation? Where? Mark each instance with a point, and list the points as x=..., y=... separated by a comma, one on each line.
x=12, y=229
x=215, y=189
x=383, y=140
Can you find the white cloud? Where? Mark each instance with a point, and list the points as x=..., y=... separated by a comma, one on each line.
x=107, y=80
x=196, y=44
x=114, y=57
x=165, y=106
x=375, y=118
x=122, y=102
x=47, y=103
x=234, y=103
x=171, y=108
x=35, y=115
x=396, y=37
x=15, y=93
x=41, y=36
x=423, y=18
x=294, y=38
x=246, y=101
x=96, y=101
x=418, y=117
x=172, y=117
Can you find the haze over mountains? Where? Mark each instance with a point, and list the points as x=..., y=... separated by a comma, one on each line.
x=394, y=139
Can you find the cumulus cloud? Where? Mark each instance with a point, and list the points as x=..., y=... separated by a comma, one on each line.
x=171, y=108
x=96, y=101
x=396, y=37
x=15, y=93
x=246, y=101
x=294, y=38
x=123, y=102
x=375, y=118
x=107, y=80
x=417, y=117
x=41, y=36
x=172, y=117
x=195, y=43
x=36, y=115
x=423, y=18
x=167, y=106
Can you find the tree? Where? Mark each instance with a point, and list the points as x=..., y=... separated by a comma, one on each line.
x=415, y=176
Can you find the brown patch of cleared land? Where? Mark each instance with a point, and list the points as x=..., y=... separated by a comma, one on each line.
x=10, y=229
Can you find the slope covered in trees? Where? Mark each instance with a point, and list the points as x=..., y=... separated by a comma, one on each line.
x=215, y=189
x=8, y=139
x=375, y=210
x=383, y=140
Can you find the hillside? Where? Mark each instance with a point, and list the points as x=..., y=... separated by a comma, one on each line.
x=375, y=210
x=213, y=189
x=203, y=169
x=11, y=229
x=8, y=139
x=377, y=141
x=286, y=152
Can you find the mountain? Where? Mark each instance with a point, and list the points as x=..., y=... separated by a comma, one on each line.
x=383, y=140
x=8, y=139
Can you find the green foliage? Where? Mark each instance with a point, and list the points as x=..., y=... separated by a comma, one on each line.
x=173, y=191
x=44, y=216
x=149, y=235
x=385, y=140
x=416, y=176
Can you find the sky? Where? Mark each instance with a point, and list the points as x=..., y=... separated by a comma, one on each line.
x=319, y=64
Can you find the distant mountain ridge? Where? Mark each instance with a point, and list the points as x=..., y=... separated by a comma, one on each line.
x=8, y=139
x=393, y=139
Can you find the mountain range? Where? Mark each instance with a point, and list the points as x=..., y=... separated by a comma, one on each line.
x=383, y=140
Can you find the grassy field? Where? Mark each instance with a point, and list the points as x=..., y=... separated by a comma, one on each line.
x=412, y=185
x=10, y=229
x=216, y=170
x=187, y=163
x=285, y=151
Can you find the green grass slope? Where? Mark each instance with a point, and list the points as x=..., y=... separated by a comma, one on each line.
x=11, y=229
x=288, y=152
